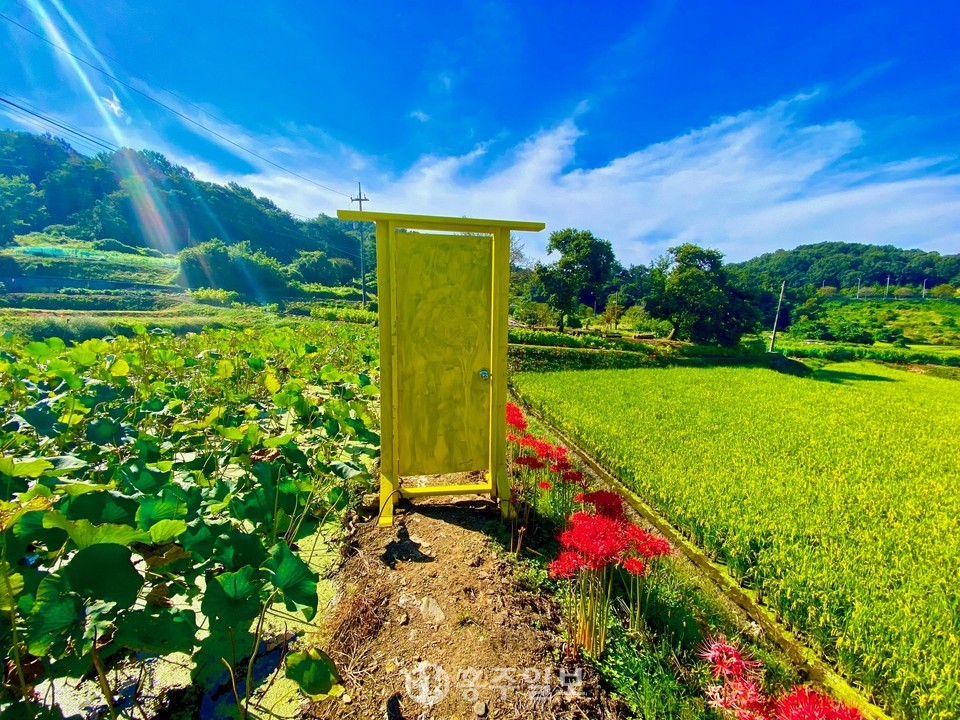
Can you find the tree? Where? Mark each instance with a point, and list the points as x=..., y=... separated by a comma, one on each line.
x=944, y=290
x=694, y=293
x=581, y=273
x=21, y=207
x=587, y=259
x=559, y=286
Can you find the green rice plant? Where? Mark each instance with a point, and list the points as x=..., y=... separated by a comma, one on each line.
x=835, y=498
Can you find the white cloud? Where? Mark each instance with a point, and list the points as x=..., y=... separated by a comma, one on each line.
x=745, y=184
x=113, y=104
x=419, y=115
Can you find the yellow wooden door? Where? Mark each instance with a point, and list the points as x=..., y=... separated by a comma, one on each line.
x=442, y=319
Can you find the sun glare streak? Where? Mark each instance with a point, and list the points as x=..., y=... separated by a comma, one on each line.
x=149, y=209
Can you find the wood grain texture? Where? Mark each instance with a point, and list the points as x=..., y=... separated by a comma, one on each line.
x=442, y=286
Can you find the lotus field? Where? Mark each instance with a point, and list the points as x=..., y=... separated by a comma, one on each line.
x=155, y=493
x=837, y=498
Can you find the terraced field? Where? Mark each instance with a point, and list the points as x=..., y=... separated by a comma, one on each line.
x=837, y=497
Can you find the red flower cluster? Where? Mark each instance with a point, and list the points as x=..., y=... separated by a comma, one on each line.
x=740, y=697
x=606, y=503
x=574, y=476
x=566, y=565
x=635, y=566
x=515, y=417
x=545, y=485
x=646, y=544
x=598, y=539
x=806, y=704
x=727, y=659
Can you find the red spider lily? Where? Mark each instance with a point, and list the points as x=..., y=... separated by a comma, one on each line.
x=559, y=454
x=599, y=539
x=606, y=503
x=806, y=704
x=567, y=564
x=524, y=460
x=635, y=566
x=740, y=698
x=728, y=660
x=536, y=464
x=573, y=476
x=545, y=485
x=513, y=438
x=515, y=417
x=646, y=543
x=560, y=466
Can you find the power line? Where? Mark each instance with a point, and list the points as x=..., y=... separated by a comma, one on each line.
x=361, y=199
x=91, y=139
x=155, y=85
x=94, y=141
x=170, y=109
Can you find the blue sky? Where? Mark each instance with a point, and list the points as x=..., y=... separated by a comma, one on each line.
x=744, y=126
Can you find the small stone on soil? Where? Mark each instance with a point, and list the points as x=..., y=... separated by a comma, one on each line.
x=430, y=609
x=480, y=708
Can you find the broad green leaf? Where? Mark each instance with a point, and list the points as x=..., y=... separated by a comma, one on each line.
x=235, y=549
x=278, y=440
x=232, y=598
x=120, y=368
x=105, y=431
x=56, y=614
x=104, y=572
x=11, y=585
x=84, y=533
x=225, y=369
x=157, y=632
x=63, y=464
x=165, y=531
x=338, y=498
x=294, y=579
x=24, y=468
x=154, y=509
x=231, y=433
x=315, y=673
x=271, y=383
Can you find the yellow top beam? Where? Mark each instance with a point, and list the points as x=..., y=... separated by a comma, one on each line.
x=429, y=222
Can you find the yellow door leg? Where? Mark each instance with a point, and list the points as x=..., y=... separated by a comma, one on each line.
x=388, y=496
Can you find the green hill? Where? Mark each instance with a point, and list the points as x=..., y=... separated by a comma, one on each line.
x=142, y=200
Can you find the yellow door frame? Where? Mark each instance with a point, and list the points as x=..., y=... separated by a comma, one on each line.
x=497, y=484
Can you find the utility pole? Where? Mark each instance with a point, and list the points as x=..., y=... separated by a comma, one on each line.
x=888, y=288
x=360, y=199
x=858, y=287
x=924, y=288
x=776, y=320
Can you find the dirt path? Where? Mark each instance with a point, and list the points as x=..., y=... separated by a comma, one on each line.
x=435, y=622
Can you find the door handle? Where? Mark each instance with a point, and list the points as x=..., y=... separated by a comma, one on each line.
x=484, y=374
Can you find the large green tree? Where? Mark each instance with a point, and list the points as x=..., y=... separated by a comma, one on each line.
x=580, y=275
x=692, y=290
x=21, y=207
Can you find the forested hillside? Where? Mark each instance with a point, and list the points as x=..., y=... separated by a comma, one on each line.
x=844, y=265
x=140, y=199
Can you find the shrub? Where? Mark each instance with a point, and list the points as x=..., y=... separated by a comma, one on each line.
x=214, y=296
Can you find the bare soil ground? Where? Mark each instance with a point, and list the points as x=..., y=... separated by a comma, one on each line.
x=434, y=622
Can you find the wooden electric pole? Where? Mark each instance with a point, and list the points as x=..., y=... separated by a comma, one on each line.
x=776, y=319
x=360, y=199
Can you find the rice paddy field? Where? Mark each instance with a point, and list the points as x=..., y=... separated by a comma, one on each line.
x=836, y=497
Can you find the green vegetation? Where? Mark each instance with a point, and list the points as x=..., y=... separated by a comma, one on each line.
x=74, y=262
x=153, y=491
x=931, y=321
x=103, y=216
x=835, y=498
x=844, y=265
